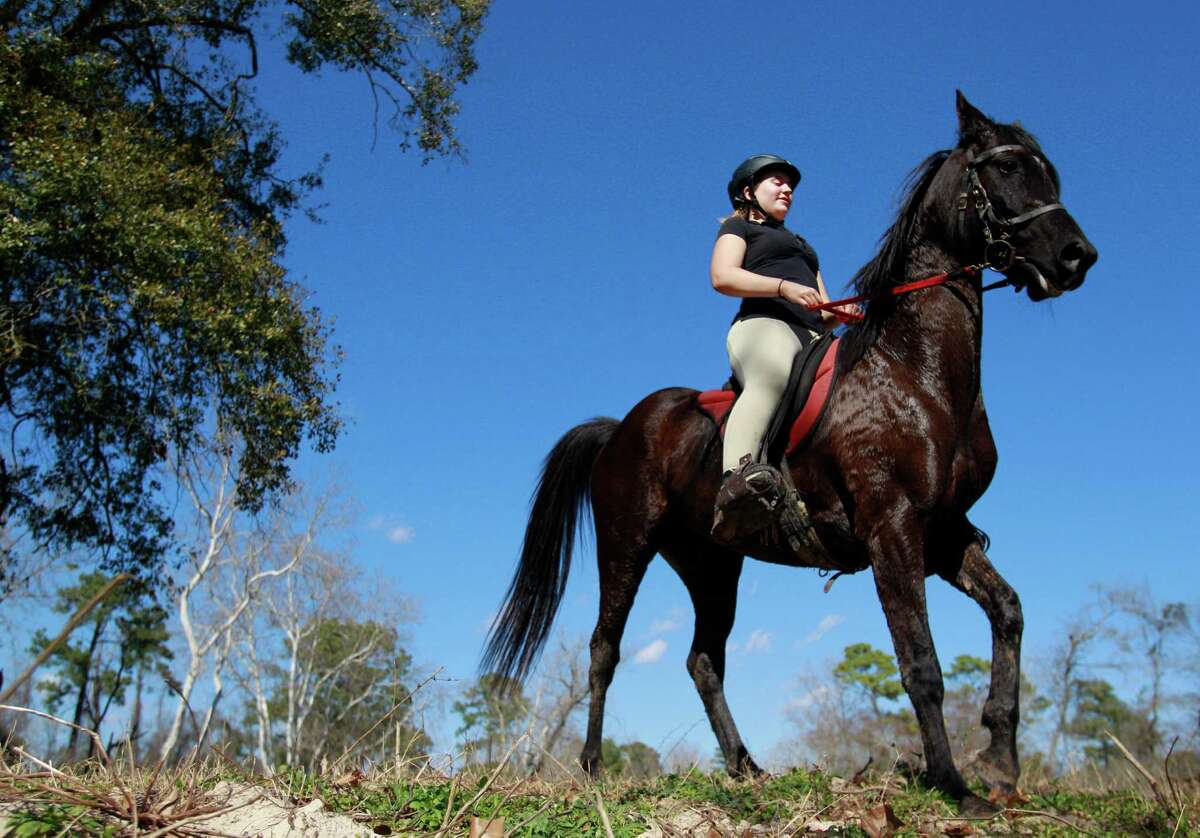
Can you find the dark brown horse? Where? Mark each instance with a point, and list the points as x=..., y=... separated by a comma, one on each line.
x=901, y=454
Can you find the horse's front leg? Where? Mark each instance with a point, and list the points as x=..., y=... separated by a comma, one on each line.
x=996, y=765
x=898, y=560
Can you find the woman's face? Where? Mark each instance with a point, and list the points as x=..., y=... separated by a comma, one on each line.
x=774, y=195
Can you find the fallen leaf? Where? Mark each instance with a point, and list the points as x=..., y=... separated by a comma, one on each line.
x=957, y=829
x=1007, y=799
x=349, y=780
x=712, y=833
x=481, y=828
x=880, y=822
x=822, y=826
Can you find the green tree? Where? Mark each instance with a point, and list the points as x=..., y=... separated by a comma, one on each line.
x=612, y=756
x=641, y=762
x=1098, y=710
x=968, y=672
x=361, y=675
x=492, y=712
x=142, y=295
x=871, y=672
x=125, y=635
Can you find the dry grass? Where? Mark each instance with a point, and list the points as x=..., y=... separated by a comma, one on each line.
x=113, y=797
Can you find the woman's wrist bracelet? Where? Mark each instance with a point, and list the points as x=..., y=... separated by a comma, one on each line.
x=779, y=290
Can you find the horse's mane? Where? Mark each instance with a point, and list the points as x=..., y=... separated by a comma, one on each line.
x=886, y=269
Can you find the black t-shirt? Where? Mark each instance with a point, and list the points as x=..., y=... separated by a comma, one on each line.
x=774, y=250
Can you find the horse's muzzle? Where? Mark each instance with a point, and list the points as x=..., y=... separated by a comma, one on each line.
x=1074, y=259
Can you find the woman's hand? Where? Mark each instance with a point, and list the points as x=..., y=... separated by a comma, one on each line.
x=849, y=313
x=799, y=294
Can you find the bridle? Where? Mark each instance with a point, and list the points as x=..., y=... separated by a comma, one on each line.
x=998, y=252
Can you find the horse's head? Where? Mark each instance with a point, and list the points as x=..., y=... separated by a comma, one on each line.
x=1008, y=206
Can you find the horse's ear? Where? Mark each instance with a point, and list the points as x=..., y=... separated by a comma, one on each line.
x=971, y=121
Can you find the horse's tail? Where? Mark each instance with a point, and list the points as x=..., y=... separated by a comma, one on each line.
x=523, y=624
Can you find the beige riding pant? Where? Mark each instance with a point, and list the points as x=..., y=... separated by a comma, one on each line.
x=761, y=351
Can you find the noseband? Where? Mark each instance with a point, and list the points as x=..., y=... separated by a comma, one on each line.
x=999, y=253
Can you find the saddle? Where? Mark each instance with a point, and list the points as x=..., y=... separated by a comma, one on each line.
x=800, y=409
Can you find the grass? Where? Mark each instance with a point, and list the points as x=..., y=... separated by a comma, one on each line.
x=400, y=803
x=112, y=797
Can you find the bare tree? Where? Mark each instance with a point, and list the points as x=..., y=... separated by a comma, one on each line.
x=1069, y=661
x=1150, y=631
x=558, y=697
x=342, y=669
x=684, y=757
x=227, y=567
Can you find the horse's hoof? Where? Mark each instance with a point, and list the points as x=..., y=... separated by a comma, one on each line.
x=591, y=766
x=974, y=806
x=748, y=769
x=994, y=777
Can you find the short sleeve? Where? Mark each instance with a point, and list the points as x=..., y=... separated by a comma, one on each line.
x=810, y=256
x=735, y=225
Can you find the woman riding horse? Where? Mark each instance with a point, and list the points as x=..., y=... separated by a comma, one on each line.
x=777, y=275
x=902, y=452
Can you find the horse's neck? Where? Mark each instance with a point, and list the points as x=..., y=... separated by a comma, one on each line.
x=939, y=331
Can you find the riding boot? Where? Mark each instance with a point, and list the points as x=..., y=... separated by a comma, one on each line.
x=747, y=502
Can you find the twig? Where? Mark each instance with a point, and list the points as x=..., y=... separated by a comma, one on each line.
x=204, y=816
x=603, y=814
x=483, y=789
x=1158, y=795
x=1178, y=823
x=78, y=617
x=1040, y=814
x=449, y=803
x=53, y=771
x=95, y=737
x=1167, y=773
x=550, y=801
x=385, y=717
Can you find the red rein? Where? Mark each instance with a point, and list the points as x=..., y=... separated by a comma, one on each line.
x=928, y=282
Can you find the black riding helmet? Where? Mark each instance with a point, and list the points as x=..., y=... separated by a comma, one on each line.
x=748, y=174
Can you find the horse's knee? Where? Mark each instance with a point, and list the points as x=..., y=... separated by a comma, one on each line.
x=702, y=671
x=605, y=657
x=1011, y=617
x=922, y=680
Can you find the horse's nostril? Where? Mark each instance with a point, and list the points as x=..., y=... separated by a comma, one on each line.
x=1072, y=254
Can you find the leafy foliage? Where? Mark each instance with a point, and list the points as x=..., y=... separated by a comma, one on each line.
x=362, y=676
x=141, y=228
x=871, y=671
x=125, y=634
x=1098, y=709
x=491, y=711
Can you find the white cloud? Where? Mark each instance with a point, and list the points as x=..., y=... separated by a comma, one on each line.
x=401, y=535
x=652, y=653
x=758, y=641
x=375, y=522
x=671, y=622
x=808, y=699
x=828, y=623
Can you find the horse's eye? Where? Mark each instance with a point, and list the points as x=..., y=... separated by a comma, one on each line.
x=1009, y=167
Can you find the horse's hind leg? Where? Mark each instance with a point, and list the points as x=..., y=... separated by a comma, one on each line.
x=623, y=553
x=996, y=765
x=711, y=577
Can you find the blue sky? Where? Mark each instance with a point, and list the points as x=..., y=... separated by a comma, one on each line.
x=560, y=273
